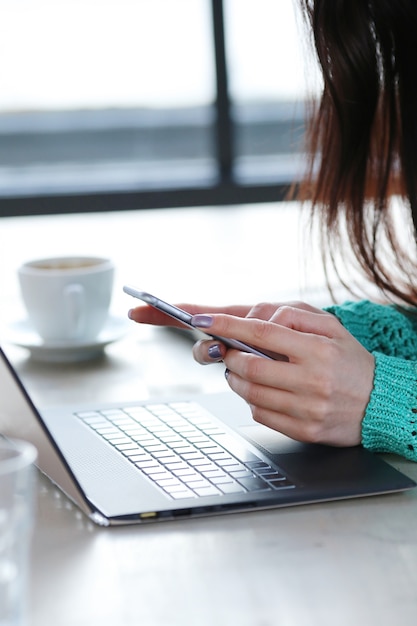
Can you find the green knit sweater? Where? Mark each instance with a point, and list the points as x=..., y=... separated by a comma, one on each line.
x=390, y=421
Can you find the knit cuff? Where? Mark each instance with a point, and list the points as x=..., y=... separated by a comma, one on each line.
x=390, y=422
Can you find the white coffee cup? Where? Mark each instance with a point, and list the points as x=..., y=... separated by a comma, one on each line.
x=67, y=298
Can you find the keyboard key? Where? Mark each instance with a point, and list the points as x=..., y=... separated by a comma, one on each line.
x=173, y=488
x=160, y=475
x=156, y=447
x=152, y=469
x=205, y=469
x=220, y=480
x=137, y=458
x=106, y=429
x=126, y=447
x=212, y=430
x=116, y=439
x=184, y=472
x=235, y=448
x=231, y=488
x=257, y=464
x=145, y=439
x=183, y=447
x=170, y=439
x=191, y=455
x=166, y=456
x=201, y=462
x=191, y=477
x=266, y=469
x=139, y=451
x=206, y=491
x=168, y=482
x=217, y=456
x=197, y=483
x=151, y=464
x=281, y=484
x=254, y=484
x=272, y=476
x=175, y=465
x=241, y=474
x=229, y=464
x=178, y=495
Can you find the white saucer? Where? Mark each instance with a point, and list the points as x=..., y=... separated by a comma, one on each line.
x=22, y=334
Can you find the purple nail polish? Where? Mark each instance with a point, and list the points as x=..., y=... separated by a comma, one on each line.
x=215, y=352
x=202, y=321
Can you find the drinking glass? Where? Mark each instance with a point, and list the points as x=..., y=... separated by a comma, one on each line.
x=17, y=490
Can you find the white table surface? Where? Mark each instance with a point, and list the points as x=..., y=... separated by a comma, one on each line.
x=337, y=564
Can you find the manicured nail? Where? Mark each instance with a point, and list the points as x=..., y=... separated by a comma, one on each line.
x=202, y=321
x=130, y=314
x=226, y=373
x=215, y=352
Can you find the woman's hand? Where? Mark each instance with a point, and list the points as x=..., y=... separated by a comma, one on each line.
x=319, y=395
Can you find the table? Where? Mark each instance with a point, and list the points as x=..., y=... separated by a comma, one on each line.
x=341, y=563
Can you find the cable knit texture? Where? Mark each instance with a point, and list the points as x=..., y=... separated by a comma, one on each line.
x=390, y=421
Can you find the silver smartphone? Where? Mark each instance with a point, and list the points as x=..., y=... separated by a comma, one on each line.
x=185, y=318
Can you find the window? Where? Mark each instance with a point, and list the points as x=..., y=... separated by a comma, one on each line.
x=267, y=85
x=108, y=104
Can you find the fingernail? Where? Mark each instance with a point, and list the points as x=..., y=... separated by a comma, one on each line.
x=226, y=373
x=202, y=321
x=130, y=314
x=215, y=352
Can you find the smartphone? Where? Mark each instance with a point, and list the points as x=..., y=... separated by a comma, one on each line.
x=185, y=318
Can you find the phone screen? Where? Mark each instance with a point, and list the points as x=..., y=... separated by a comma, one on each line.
x=185, y=318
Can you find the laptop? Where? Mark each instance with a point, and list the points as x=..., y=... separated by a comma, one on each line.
x=153, y=461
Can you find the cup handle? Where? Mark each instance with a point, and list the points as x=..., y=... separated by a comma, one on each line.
x=75, y=308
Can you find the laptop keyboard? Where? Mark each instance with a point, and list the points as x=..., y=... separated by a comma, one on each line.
x=182, y=451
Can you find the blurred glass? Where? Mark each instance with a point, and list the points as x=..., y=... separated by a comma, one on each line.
x=16, y=524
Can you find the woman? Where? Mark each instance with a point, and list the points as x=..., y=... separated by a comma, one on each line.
x=351, y=371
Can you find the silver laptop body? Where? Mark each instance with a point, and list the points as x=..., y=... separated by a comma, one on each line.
x=244, y=466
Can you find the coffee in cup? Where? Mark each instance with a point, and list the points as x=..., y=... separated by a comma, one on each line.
x=67, y=298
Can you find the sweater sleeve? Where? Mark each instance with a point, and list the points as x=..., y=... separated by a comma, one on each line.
x=379, y=327
x=390, y=421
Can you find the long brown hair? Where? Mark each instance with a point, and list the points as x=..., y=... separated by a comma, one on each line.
x=362, y=138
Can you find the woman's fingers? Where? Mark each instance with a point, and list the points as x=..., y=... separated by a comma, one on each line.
x=265, y=310
x=283, y=314
x=330, y=413
x=291, y=339
x=149, y=315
